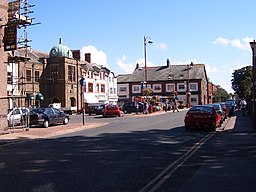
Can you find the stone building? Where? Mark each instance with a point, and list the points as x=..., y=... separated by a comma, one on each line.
x=24, y=72
x=3, y=66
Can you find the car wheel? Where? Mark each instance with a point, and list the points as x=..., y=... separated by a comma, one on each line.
x=46, y=123
x=213, y=128
x=65, y=121
x=187, y=127
x=89, y=114
x=119, y=115
x=125, y=111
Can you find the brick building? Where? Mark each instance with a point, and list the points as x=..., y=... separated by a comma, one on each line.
x=3, y=66
x=188, y=82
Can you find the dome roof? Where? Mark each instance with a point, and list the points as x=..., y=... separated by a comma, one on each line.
x=61, y=50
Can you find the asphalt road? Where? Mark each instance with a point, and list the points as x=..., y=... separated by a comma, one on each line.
x=131, y=153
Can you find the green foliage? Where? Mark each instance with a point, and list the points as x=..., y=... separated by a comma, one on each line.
x=241, y=82
x=221, y=95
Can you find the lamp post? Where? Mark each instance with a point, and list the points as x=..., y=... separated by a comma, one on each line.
x=189, y=66
x=83, y=83
x=253, y=46
x=145, y=57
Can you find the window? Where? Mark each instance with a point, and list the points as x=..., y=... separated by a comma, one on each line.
x=157, y=88
x=28, y=75
x=122, y=89
x=136, y=88
x=90, y=87
x=97, y=87
x=169, y=87
x=102, y=88
x=54, y=72
x=193, y=99
x=193, y=87
x=111, y=90
x=36, y=76
x=71, y=73
x=181, y=87
x=9, y=77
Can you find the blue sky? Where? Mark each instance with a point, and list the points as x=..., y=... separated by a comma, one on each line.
x=216, y=33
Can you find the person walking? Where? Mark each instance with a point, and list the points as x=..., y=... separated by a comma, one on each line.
x=166, y=103
x=243, y=106
x=175, y=105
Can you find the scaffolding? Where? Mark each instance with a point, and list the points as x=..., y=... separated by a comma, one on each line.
x=15, y=38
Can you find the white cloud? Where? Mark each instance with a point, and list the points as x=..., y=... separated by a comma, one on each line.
x=221, y=41
x=126, y=68
x=98, y=57
x=243, y=44
x=161, y=46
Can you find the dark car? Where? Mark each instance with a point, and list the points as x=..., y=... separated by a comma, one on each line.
x=47, y=116
x=202, y=116
x=111, y=110
x=231, y=105
x=96, y=108
x=131, y=107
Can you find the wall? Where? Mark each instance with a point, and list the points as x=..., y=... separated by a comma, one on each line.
x=3, y=68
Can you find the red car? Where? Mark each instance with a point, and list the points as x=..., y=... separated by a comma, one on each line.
x=202, y=116
x=111, y=110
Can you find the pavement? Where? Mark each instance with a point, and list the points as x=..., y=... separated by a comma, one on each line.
x=236, y=123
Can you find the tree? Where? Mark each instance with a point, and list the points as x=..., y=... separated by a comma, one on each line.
x=221, y=95
x=241, y=82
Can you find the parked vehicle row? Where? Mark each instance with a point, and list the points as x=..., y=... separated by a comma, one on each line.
x=16, y=116
x=208, y=116
x=47, y=116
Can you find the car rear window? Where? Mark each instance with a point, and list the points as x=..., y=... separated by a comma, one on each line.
x=203, y=109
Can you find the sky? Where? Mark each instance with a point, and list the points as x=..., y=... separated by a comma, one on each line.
x=215, y=33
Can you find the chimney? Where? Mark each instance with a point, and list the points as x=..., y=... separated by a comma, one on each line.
x=168, y=63
x=137, y=66
x=87, y=57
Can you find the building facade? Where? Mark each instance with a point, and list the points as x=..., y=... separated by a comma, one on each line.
x=3, y=66
x=186, y=82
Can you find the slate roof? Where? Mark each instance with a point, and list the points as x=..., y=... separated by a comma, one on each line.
x=33, y=55
x=161, y=73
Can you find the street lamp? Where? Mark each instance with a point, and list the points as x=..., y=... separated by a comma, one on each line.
x=189, y=66
x=253, y=46
x=145, y=56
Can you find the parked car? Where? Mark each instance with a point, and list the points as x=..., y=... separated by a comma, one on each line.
x=17, y=115
x=219, y=110
x=47, y=116
x=130, y=107
x=225, y=109
x=231, y=105
x=111, y=110
x=95, y=108
x=202, y=116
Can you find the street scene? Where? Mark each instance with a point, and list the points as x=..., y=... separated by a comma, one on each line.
x=131, y=153
x=93, y=98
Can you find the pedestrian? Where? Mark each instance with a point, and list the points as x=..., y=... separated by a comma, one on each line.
x=145, y=107
x=175, y=105
x=243, y=106
x=166, y=105
x=137, y=107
